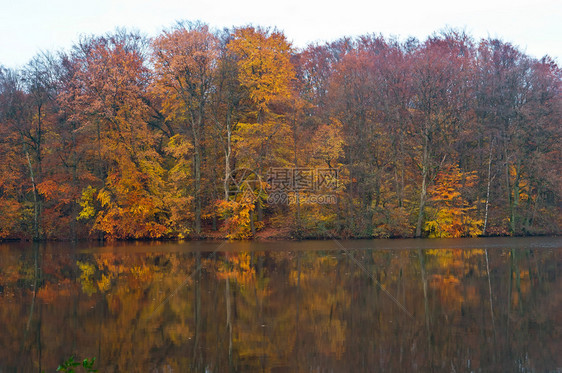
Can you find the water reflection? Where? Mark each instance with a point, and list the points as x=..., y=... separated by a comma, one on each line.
x=284, y=306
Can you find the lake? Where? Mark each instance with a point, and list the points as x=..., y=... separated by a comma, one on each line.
x=482, y=304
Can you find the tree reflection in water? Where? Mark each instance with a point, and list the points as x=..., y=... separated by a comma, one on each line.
x=294, y=308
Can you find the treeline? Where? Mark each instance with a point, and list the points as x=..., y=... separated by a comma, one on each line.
x=190, y=134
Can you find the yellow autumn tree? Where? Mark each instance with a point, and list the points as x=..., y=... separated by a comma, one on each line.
x=451, y=214
x=265, y=74
x=265, y=68
x=261, y=138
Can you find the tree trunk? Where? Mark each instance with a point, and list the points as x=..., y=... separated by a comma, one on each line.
x=488, y=190
x=508, y=188
x=227, y=154
x=197, y=178
x=423, y=192
x=74, y=211
x=35, y=197
x=515, y=199
x=296, y=165
x=252, y=225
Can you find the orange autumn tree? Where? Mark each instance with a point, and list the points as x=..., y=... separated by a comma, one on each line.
x=185, y=62
x=12, y=163
x=451, y=214
x=110, y=105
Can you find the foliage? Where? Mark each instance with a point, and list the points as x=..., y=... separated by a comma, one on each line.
x=264, y=63
x=237, y=218
x=87, y=203
x=451, y=215
x=69, y=365
x=125, y=137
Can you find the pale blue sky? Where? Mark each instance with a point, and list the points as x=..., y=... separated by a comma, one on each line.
x=28, y=26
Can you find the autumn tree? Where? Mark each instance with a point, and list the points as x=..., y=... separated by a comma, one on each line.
x=265, y=73
x=111, y=81
x=14, y=182
x=518, y=123
x=22, y=118
x=439, y=83
x=185, y=61
x=452, y=214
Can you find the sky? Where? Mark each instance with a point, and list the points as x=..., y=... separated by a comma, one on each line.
x=28, y=27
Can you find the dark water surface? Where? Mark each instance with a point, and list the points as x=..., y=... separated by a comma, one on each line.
x=394, y=305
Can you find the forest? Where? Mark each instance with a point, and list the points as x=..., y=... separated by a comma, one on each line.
x=234, y=133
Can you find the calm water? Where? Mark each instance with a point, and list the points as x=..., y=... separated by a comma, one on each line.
x=402, y=305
